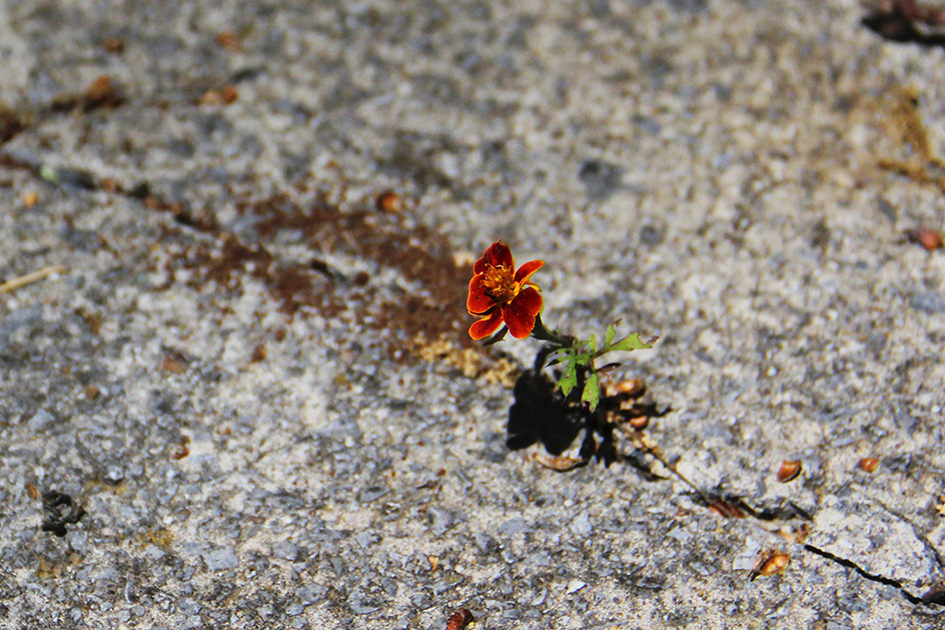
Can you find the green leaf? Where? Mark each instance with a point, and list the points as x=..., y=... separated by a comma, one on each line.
x=609, y=335
x=559, y=355
x=582, y=359
x=568, y=380
x=632, y=342
x=592, y=344
x=591, y=394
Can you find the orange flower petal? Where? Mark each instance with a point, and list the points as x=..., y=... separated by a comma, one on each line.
x=497, y=254
x=520, y=314
x=525, y=271
x=485, y=327
x=478, y=302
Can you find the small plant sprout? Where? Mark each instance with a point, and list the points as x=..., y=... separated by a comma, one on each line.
x=578, y=358
x=501, y=295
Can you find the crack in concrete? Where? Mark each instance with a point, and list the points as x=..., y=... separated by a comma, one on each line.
x=866, y=574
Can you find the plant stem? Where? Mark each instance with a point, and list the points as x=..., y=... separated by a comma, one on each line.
x=542, y=333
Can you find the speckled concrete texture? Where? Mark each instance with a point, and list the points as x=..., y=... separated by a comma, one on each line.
x=247, y=400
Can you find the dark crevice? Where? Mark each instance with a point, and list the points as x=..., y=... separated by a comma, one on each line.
x=869, y=576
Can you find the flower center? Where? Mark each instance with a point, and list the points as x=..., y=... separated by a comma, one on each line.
x=500, y=284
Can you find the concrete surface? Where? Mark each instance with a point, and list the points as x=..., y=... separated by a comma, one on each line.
x=256, y=385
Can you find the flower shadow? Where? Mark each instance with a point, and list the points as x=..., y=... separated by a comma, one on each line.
x=541, y=413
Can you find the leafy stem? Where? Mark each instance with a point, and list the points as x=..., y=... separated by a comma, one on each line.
x=578, y=358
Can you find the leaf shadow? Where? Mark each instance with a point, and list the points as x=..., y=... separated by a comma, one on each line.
x=540, y=413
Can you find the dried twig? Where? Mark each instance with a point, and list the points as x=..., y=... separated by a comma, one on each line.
x=36, y=276
x=644, y=443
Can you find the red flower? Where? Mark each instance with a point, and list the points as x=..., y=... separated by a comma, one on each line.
x=500, y=295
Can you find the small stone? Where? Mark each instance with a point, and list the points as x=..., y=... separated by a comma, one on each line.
x=928, y=302
x=286, y=550
x=153, y=552
x=311, y=594
x=40, y=420
x=372, y=493
x=113, y=476
x=513, y=526
x=575, y=585
x=581, y=525
x=78, y=541
x=361, y=605
x=441, y=520
x=366, y=539
x=221, y=559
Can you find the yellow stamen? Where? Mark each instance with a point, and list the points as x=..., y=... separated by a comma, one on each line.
x=500, y=283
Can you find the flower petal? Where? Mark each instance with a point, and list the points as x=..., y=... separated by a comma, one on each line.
x=498, y=255
x=478, y=302
x=520, y=314
x=525, y=271
x=485, y=327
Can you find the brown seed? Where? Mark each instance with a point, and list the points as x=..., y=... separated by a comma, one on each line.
x=228, y=40
x=631, y=388
x=279, y=334
x=259, y=353
x=561, y=463
x=869, y=464
x=726, y=509
x=640, y=422
x=361, y=279
x=101, y=93
x=30, y=199
x=224, y=96
x=92, y=392
x=229, y=94
x=770, y=562
x=109, y=185
x=183, y=450
x=10, y=124
x=389, y=202
x=926, y=237
x=32, y=490
x=789, y=470
x=173, y=365
x=210, y=97
x=460, y=619
x=92, y=320
x=114, y=45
